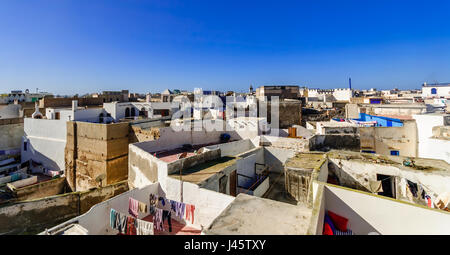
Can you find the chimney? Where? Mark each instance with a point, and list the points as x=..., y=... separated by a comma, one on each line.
x=74, y=105
x=37, y=114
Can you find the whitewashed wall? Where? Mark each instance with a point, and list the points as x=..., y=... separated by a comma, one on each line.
x=96, y=220
x=46, y=142
x=429, y=147
x=369, y=213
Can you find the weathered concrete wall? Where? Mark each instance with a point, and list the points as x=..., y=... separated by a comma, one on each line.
x=10, y=111
x=33, y=216
x=41, y=189
x=295, y=144
x=384, y=139
x=11, y=132
x=233, y=148
x=339, y=142
x=143, y=168
x=185, y=163
x=96, y=152
x=357, y=174
x=290, y=113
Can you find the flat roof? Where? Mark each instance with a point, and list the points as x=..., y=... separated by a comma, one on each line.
x=435, y=166
x=172, y=155
x=250, y=215
x=305, y=160
x=202, y=172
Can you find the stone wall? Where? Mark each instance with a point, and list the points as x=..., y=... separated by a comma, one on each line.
x=41, y=189
x=33, y=216
x=337, y=142
x=96, y=154
x=63, y=102
x=290, y=113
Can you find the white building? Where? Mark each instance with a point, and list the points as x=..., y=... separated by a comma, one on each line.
x=436, y=90
x=44, y=139
x=430, y=146
x=340, y=94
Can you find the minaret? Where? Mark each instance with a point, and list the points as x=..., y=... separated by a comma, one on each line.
x=251, y=89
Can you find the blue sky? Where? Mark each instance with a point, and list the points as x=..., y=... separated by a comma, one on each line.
x=82, y=46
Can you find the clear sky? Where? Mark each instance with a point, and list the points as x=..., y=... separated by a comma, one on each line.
x=83, y=46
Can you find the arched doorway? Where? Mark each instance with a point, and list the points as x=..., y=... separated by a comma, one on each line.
x=143, y=112
x=127, y=112
x=133, y=112
x=434, y=91
x=100, y=118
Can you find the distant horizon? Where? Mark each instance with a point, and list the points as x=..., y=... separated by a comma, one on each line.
x=192, y=90
x=78, y=47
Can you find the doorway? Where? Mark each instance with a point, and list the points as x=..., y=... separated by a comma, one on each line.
x=233, y=183
x=388, y=184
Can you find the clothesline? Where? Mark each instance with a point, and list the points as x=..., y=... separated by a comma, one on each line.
x=129, y=225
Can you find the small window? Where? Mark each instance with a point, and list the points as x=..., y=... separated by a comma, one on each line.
x=25, y=145
x=395, y=153
x=368, y=151
x=434, y=91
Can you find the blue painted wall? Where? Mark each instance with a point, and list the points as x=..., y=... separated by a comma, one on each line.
x=381, y=121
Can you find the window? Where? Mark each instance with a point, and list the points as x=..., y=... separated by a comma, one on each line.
x=368, y=151
x=433, y=91
x=395, y=153
x=25, y=145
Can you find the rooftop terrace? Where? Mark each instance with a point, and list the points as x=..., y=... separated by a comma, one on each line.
x=202, y=172
x=250, y=215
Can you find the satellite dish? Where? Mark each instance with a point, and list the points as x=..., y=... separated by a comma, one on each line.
x=27, y=91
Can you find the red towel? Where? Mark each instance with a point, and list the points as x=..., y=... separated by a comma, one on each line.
x=338, y=221
x=190, y=212
x=327, y=230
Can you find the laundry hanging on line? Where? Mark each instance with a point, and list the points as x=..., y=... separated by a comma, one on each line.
x=135, y=207
x=129, y=225
x=179, y=208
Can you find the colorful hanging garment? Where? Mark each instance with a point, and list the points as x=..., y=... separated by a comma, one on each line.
x=190, y=212
x=133, y=206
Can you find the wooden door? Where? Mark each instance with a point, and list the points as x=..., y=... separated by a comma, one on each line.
x=233, y=183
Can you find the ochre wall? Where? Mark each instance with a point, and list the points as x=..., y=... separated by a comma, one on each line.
x=96, y=151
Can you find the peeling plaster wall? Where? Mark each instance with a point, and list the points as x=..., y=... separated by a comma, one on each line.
x=384, y=139
x=294, y=144
x=355, y=174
